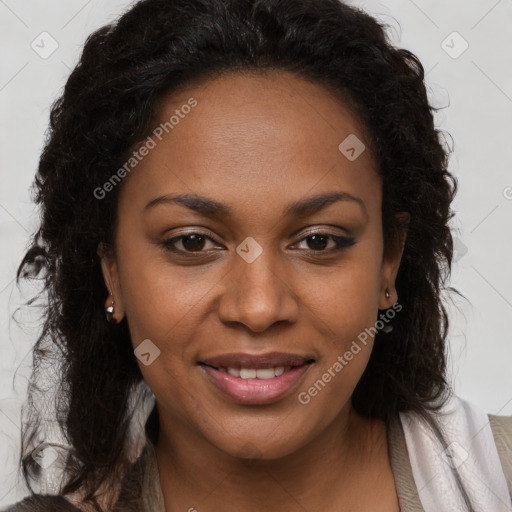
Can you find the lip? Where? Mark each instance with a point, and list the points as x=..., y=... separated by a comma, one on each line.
x=256, y=391
x=256, y=361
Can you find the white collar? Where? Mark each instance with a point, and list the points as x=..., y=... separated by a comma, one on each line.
x=471, y=450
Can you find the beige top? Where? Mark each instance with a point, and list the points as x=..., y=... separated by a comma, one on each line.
x=143, y=479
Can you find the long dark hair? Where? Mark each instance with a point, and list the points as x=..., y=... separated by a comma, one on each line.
x=108, y=106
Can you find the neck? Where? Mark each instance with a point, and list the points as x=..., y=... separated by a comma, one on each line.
x=340, y=461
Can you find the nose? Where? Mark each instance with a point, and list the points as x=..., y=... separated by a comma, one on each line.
x=258, y=295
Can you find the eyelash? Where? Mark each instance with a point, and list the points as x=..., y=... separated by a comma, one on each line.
x=340, y=241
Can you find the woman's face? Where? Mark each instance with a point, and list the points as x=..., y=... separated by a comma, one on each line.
x=275, y=245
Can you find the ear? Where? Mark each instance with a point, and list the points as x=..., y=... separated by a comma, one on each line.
x=111, y=278
x=391, y=263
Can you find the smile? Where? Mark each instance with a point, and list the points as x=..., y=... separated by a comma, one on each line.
x=253, y=386
x=252, y=373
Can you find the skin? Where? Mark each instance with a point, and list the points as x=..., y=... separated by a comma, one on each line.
x=257, y=143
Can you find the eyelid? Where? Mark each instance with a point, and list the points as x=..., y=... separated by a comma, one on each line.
x=196, y=231
x=325, y=230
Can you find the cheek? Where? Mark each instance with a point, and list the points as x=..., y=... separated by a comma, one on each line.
x=161, y=299
x=347, y=344
x=347, y=297
x=346, y=311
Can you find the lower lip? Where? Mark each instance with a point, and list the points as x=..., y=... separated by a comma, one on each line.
x=255, y=391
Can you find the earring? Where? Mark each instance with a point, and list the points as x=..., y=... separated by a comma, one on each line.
x=387, y=328
x=109, y=312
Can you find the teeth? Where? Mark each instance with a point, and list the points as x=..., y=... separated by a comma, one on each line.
x=246, y=373
x=234, y=371
x=265, y=373
x=251, y=373
x=279, y=371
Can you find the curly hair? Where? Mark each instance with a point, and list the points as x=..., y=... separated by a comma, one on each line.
x=108, y=106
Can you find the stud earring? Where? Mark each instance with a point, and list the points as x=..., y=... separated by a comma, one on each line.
x=109, y=312
x=387, y=328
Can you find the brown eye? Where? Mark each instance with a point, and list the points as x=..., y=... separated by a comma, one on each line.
x=188, y=243
x=193, y=242
x=317, y=242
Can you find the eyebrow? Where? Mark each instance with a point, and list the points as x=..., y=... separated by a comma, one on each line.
x=212, y=208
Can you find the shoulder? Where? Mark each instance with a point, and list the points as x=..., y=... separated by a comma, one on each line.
x=501, y=426
x=42, y=503
x=502, y=431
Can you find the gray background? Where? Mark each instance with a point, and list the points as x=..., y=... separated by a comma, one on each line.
x=476, y=84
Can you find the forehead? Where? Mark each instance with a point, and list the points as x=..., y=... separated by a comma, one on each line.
x=253, y=139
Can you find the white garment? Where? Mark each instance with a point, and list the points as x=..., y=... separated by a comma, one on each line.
x=471, y=450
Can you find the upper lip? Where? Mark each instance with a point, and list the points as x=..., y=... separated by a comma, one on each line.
x=256, y=361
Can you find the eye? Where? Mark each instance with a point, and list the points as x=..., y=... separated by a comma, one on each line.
x=190, y=243
x=318, y=242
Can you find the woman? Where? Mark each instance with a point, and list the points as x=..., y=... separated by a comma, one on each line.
x=245, y=211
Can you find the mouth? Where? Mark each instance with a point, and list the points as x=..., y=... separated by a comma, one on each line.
x=252, y=380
